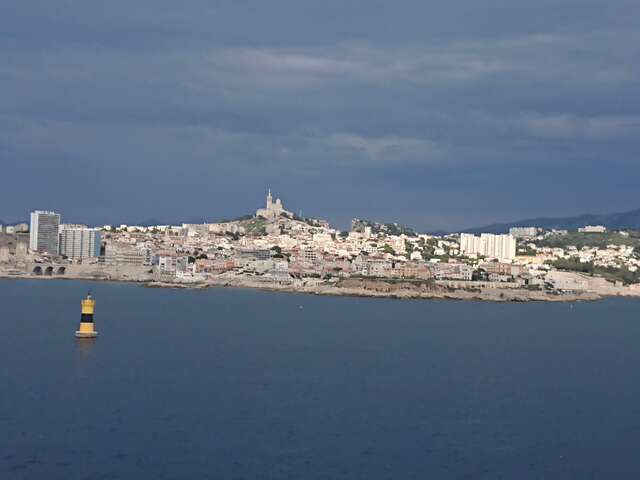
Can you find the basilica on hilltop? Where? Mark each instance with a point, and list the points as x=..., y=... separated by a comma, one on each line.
x=273, y=209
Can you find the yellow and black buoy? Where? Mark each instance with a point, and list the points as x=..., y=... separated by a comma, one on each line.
x=86, y=321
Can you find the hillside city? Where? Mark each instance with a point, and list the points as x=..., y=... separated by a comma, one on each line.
x=274, y=248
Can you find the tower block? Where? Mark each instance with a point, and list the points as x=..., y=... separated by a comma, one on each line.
x=86, y=320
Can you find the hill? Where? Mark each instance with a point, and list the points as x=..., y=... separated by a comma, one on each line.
x=358, y=225
x=617, y=221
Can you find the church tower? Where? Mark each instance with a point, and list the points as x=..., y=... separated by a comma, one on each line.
x=269, y=200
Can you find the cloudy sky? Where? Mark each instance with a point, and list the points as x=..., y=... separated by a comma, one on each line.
x=434, y=113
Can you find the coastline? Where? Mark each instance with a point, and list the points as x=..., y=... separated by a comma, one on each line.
x=363, y=288
x=403, y=290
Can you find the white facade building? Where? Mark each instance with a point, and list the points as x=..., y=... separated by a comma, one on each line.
x=172, y=262
x=125, y=254
x=44, y=232
x=502, y=247
x=593, y=229
x=471, y=244
x=79, y=241
x=523, y=232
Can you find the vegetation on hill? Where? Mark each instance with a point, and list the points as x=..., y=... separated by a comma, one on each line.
x=622, y=274
x=255, y=226
x=358, y=225
x=388, y=249
x=600, y=240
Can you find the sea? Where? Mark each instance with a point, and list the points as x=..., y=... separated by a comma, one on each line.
x=237, y=384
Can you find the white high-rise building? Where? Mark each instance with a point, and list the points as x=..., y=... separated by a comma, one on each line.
x=44, y=232
x=79, y=241
x=502, y=247
x=471, y=244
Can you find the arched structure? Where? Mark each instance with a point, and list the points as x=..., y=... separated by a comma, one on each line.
x=61, y=270
x=37, y=270
x=48, y=271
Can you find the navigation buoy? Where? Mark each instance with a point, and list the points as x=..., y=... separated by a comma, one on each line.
x=86, y=321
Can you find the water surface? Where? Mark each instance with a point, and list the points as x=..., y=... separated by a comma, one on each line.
x=238, y=384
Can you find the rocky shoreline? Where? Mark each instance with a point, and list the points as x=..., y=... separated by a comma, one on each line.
x=382, y=289
x=351, y=287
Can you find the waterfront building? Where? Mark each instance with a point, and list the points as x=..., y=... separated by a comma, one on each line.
x=279, y=273
x=123, y=254
x=452, y=271
x=415, y=270
x=370, y=266
x=44, y=232
x=79, y=241
x=250, y=257
x=171, y=262
x=500, y=268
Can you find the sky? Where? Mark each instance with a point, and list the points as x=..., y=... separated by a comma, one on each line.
x=431, y=113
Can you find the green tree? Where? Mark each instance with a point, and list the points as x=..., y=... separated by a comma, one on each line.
x=388, y=249
x=573, y=264
x=408, y=247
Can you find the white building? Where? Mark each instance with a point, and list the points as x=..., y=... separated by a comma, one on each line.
x=471, y=244
x=273, y=209
x=593, y=229
x=452, y=271
x=170, y=262
x=502, y=247
x=79, y=241
x=125, y=254
x=523, y=232
x=44, y=232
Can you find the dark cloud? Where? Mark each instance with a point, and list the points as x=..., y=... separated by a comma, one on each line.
x=439, y=114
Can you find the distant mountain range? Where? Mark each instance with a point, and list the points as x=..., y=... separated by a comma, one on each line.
x=617, y=221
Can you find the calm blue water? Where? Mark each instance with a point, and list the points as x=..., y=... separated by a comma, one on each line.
x=235, y=384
